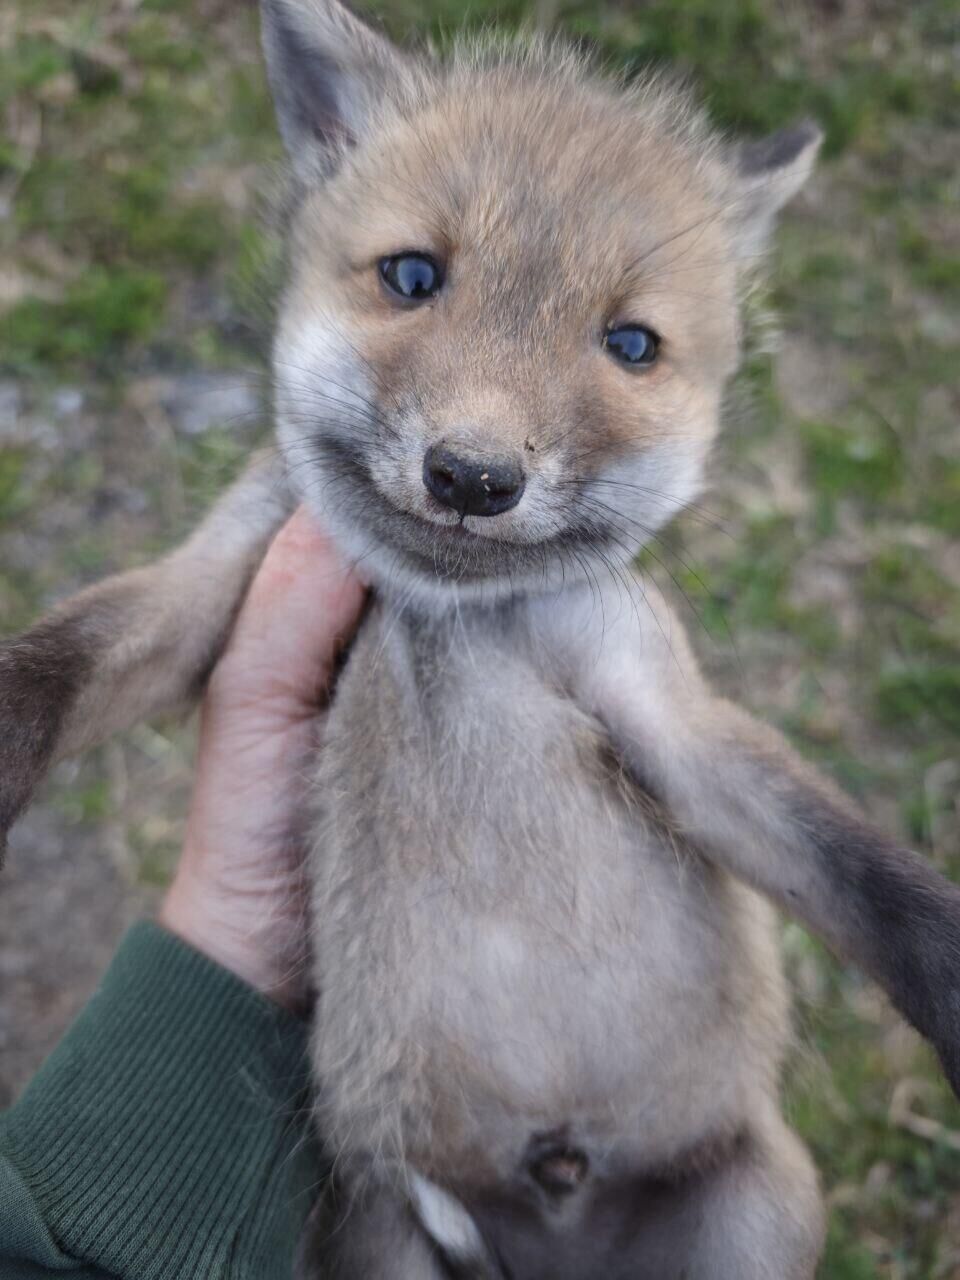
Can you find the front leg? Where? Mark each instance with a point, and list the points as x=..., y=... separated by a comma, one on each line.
x=747, y=800
x=134, y=645
x=744, y=797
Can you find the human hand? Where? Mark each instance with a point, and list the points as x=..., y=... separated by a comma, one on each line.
x=239, y=891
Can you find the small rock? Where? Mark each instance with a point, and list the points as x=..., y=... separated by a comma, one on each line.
x=67, y=402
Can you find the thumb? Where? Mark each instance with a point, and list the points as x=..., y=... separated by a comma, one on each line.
x=303, y=606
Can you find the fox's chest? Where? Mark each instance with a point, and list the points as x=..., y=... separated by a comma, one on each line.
x=487, y=814
x=501, y=919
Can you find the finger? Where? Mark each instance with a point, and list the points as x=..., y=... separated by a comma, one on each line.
x=302, y=607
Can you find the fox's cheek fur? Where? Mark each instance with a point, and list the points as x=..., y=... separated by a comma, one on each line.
x=356, y=452
x=362, y=394
x=356, y=455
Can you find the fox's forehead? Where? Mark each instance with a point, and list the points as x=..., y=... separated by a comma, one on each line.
x=542, y=181
x=544, y=190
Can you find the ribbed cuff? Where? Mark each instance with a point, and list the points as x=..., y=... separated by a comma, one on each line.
x=167, y=1135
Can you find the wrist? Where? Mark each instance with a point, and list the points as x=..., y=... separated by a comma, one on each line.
x=232, y=936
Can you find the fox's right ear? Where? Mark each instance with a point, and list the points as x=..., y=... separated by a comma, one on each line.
x=769, y=172
x=328, y=71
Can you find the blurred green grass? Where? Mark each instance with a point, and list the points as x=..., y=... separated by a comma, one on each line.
x=137, y=150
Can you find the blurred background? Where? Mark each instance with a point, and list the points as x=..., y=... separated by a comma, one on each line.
x=137, y=157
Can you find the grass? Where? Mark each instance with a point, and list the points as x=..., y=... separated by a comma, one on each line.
x=138, y=149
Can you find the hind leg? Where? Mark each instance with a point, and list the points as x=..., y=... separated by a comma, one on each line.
x=758, y=1217
x=374, y=1237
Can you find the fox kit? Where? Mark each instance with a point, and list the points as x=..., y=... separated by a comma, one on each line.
x=551, y=1015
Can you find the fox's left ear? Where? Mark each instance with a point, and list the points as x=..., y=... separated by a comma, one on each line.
x=767, y=174
x=328, y=71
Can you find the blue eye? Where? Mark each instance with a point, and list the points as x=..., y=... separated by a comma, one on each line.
x=415, y=277
x=632, y=344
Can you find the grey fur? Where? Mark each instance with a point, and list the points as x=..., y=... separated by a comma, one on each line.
x=528, y=920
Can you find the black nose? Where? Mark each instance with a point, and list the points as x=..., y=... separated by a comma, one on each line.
x=472, y=486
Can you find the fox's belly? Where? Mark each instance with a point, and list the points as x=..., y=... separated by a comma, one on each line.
x=511, y=943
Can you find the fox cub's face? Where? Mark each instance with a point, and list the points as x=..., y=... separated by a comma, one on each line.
x=513, y=299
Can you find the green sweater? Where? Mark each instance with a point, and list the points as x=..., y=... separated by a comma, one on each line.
x=167, y=1136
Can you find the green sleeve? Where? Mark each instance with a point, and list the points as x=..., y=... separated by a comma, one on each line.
x=167, y=1136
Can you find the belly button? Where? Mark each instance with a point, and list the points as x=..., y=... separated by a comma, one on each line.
x=560, y=1170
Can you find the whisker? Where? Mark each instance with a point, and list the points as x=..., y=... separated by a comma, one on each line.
x=694, y=510
x=611, y=516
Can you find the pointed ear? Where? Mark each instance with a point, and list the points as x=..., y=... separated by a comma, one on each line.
x=328, y=71
x=768, y=174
